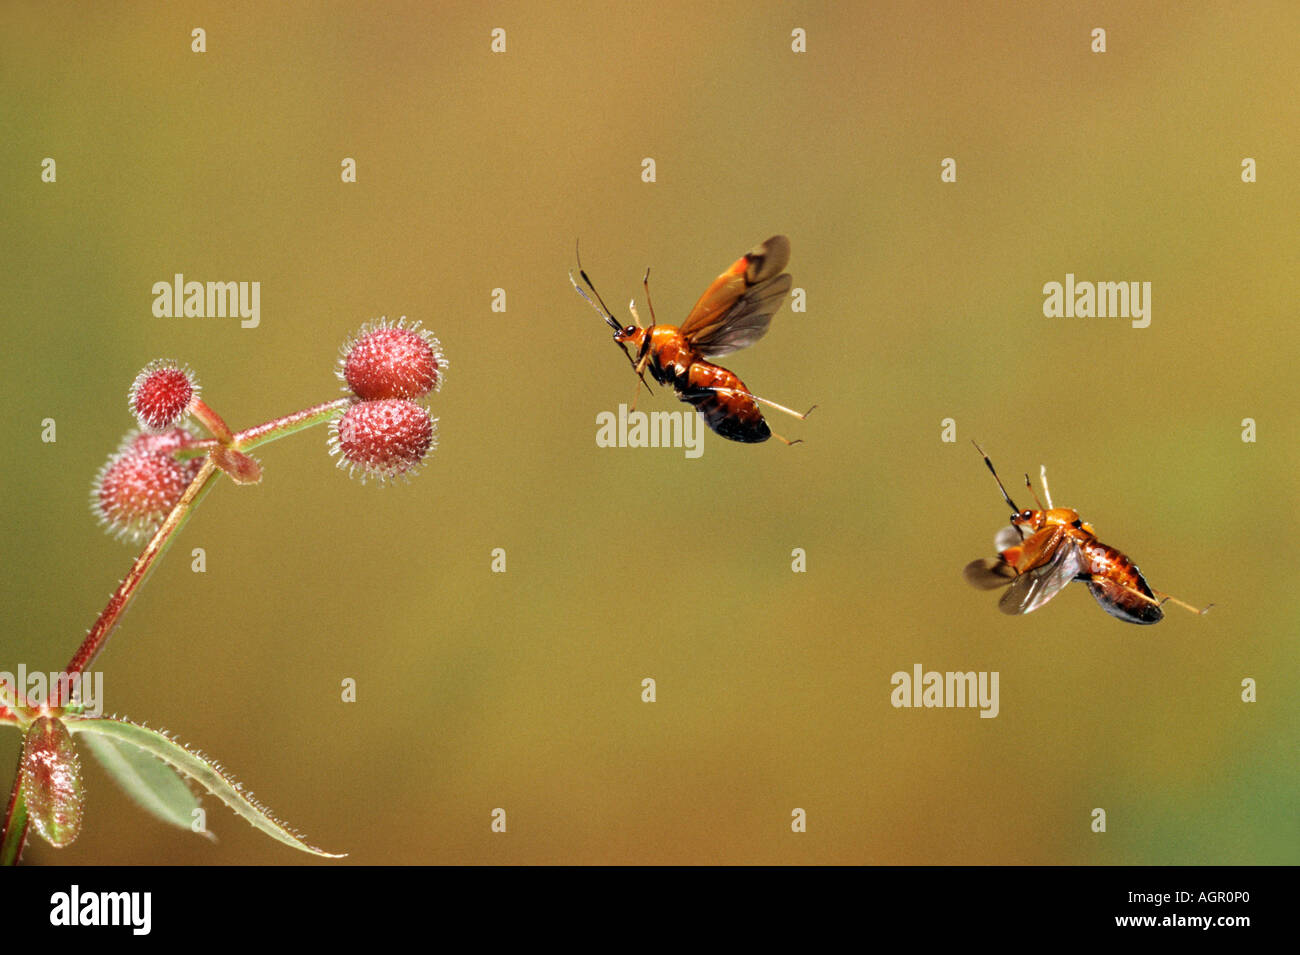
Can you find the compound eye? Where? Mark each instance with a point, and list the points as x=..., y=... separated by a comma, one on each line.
x=630, y=330
x=1026, y=516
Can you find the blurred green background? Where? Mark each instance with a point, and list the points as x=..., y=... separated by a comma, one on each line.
x=478, y=171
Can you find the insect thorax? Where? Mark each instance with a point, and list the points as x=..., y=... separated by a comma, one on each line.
x=671, y=356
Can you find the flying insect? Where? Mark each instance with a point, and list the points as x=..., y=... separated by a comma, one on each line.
x=1045, y=548
x=734, y=311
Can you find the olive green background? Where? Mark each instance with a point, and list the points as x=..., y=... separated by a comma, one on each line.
x=478, y=171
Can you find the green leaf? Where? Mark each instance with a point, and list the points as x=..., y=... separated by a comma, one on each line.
x=153, y=785
x=202, y=770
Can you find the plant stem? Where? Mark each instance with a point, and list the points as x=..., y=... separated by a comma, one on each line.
x=13, y=830
x=289, y=424
x=272, y=430
x=117, y=603
x=212, y=421
x=16, y=821
x=251, y=438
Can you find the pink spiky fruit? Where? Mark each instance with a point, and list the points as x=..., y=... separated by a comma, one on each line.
x=162, y=393
x=141, y=482
x=392, y=360
x=383, y=439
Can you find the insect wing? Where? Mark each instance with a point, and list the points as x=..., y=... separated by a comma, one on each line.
x=736, y=310
x=1035, y=587
x=1119, y=601
x=989, y=573
x=746, y=322
x=1010, y=536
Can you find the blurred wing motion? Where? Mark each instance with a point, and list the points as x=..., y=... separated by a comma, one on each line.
x=1121, y=602
x=990, y=573
x=1007, y=538
x=737, y=308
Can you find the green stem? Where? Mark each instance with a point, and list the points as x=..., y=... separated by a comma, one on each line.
x=15, y=821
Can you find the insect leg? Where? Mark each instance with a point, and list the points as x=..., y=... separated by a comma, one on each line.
x=646, y=282
x=1033, y=492
x=1164, y=597
x=747, y=394
x=1186, y=606
x=639, y=367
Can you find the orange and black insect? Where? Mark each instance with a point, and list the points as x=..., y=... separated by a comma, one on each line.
x=733, y=312
x=1060, y=548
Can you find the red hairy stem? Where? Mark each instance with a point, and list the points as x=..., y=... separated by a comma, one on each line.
x=261, y=434
x=212, y=421
x=272, y=430
x=280, y=427
x=117, y=603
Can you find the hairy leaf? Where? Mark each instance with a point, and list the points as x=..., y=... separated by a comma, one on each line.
x=153, y=785
x=202, y=770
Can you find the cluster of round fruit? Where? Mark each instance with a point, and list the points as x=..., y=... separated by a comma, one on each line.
x=382, y=433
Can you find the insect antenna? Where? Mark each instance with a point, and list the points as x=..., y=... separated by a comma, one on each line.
x=1005, y=496
x=600, y=309
x=603, y=311
x=1042, y=476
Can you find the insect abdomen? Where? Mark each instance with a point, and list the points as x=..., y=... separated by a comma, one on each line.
x=717, y=393
x=1115, y=577
x=725, y=403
